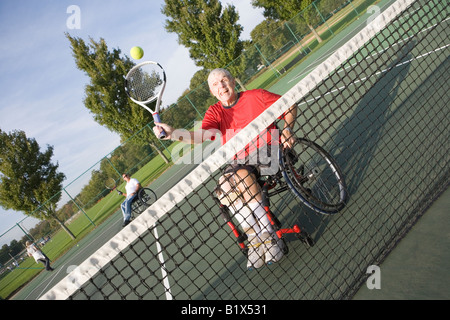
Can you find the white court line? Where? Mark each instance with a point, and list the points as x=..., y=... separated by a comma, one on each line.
x=320, y=59
x=377, y=73
x=63, y=267
x=165, y=276
x=114, y=225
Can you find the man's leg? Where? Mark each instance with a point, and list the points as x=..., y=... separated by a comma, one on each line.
x=126, y=210
x=46, y=263
x=230, y=196
x=251, y=190
x=251, y=228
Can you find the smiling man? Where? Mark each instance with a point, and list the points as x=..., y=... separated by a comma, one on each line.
x=234, y=111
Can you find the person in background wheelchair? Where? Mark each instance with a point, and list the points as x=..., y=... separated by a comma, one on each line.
x=132, y=187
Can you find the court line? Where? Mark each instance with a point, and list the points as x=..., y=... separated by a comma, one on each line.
x=63, y=266
x=164, y=275
x=322, y=58
x=377, y=73
x=113, y=225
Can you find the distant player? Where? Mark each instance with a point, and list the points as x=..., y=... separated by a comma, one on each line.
x=231, y=113
x=131, y=189
x=38, y=255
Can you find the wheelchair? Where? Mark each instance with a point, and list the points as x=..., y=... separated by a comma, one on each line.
x=144, y=198
x=313, y=177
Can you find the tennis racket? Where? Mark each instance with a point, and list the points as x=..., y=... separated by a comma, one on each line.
x=144, y=84
x=112, y=185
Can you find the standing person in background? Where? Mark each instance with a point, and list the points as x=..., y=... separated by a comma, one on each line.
x=38, y=255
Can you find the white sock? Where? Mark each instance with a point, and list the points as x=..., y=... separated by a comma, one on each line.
x=261, y=216
x=244, y=216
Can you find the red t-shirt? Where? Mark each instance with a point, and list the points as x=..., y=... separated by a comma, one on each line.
x=230, y=120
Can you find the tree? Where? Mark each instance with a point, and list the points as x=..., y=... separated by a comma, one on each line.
x=192, y=104
x=269, y=36
x=286, y=9
x=29, y=183
x=210, y=32
x=105, y=96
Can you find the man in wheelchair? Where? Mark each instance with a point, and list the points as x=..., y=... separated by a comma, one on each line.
x=231, y=113
x=132, y=187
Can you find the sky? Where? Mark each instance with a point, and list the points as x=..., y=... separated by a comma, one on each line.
x=42, y=91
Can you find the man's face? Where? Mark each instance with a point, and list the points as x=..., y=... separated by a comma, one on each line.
x=222, y=88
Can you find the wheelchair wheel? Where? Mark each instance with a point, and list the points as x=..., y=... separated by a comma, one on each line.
x=314, y=177
x=146, y=196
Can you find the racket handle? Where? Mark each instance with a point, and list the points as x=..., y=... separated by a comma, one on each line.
x=163, y=134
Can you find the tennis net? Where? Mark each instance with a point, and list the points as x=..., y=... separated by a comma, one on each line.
x=378, y=106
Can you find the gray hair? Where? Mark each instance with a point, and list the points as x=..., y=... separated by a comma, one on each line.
x=220, y=70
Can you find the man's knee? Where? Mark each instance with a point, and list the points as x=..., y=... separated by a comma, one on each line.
x=245, y=175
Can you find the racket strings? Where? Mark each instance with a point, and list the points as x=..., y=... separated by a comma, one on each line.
x=110, y=183
x=144, y=84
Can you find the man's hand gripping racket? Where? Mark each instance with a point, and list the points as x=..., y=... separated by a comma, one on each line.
x=144, y=84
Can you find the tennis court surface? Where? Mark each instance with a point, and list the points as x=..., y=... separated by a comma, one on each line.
x=378, y=105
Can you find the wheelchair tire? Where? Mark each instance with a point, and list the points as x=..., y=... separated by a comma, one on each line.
x=314, y=177
x=146, y=196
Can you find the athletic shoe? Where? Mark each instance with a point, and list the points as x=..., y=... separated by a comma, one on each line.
x=125, y=223
x=273, y=248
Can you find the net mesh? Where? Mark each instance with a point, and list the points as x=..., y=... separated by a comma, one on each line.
x=378, y=107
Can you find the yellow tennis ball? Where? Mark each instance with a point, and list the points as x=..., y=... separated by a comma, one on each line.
x=137, y=53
